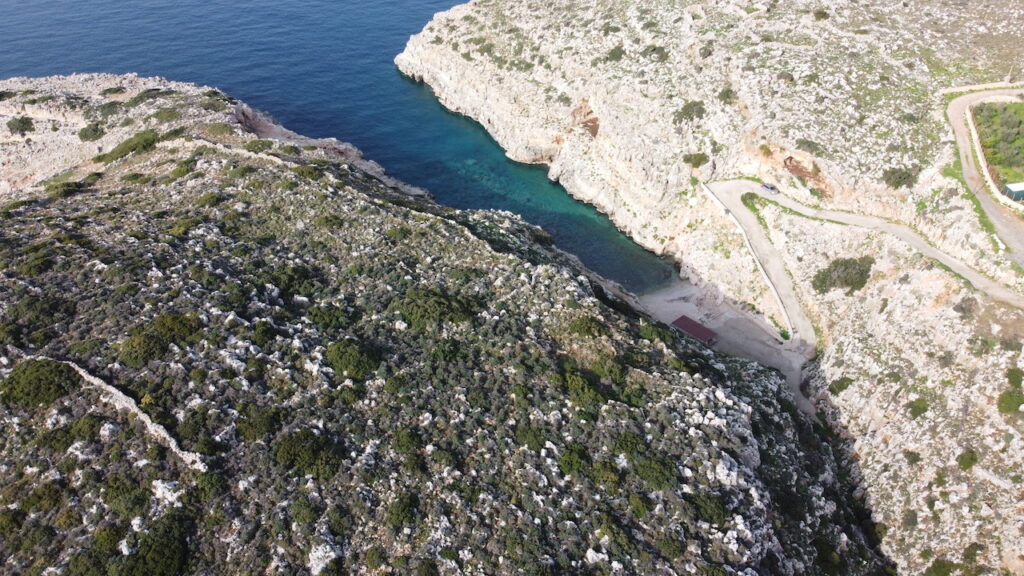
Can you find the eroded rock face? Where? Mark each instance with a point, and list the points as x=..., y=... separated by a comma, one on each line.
x=354, y=376
x=837, y=103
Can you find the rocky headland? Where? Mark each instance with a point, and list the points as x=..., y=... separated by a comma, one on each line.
x=229, y=349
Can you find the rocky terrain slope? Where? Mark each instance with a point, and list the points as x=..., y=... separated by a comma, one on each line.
x=631, y=103
x=221, y=354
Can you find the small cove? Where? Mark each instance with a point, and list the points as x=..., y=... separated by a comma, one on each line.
x=323, y=69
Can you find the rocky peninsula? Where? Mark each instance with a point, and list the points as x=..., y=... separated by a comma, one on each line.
x=229, y=349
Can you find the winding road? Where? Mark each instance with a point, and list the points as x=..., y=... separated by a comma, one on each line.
x=789, y=357
x=731, y=192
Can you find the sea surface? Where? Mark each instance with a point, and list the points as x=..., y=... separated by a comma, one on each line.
x=324, y=69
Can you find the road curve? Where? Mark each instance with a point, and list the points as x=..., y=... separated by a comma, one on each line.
x=731, y=192
x=1007, y=224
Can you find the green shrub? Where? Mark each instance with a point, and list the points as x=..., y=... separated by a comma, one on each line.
x=407, y=441
x=424, y=308
x=837, y=387
x=917, y=407
x=147, y=95
x=656, y=471
x=259, y=146
x=308, y=453
x=588, y=326
x=696, y=160
x=210, y=485
x=639, y=506
x=61, y=190
x=257, y=423
x=709, y=508
x=849, y=273
x=1015, y=376
x=532, y=438
x=91, y=133
x=967, y=459
x=308, y=172
x=209, y=200
x=174, y=134
x=809, y=146
x=302, y=511
x=403, y=510
x=971, y=552
x=655, y=332
x=693, y=110
x=142, y=142
x=181, y=169
x=615, y=54
x=136, y=178
x=1010, y=401
x=292, y=280
x=112, y=90
x=900, y=177
x=152, y=341
x=125, y=496
x=21, y=125
x=656, y=53
x=820, y=15
x=329, y=317
x=348, y=358
x=375, y=558
x=34, y=383
x=727, y=95
x=575, y=458
x=163, y=550
x=86, y=428
x=941, y=567
x=670, y=548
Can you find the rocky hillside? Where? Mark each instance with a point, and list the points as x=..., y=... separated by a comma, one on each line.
x=631, y=103
x=223, y=354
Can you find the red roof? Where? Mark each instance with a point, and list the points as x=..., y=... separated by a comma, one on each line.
x=695, y=329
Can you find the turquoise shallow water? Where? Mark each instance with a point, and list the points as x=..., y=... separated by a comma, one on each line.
x=321, y=68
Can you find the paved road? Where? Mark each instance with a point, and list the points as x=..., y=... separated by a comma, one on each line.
x=730, y=193
x=1008, y=225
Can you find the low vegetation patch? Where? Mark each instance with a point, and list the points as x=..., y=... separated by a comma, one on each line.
x=349, y=358
x=849, y=273
x=142, y=142
x=308, y=453
x=35, y=383
x=152, y=340
x=21, y=125
x=91, y=133
x=693, y=110
x=900, y=177
x=425, y=308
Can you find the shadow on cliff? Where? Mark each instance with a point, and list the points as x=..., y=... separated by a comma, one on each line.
x=827, y=455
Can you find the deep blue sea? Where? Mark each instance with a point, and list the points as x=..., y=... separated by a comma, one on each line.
x=324, y=69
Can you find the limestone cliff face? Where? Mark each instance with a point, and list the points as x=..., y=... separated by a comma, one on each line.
x=620, y=98
x=597, y=144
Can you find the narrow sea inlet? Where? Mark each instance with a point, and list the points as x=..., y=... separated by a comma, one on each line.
x=323, y=69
